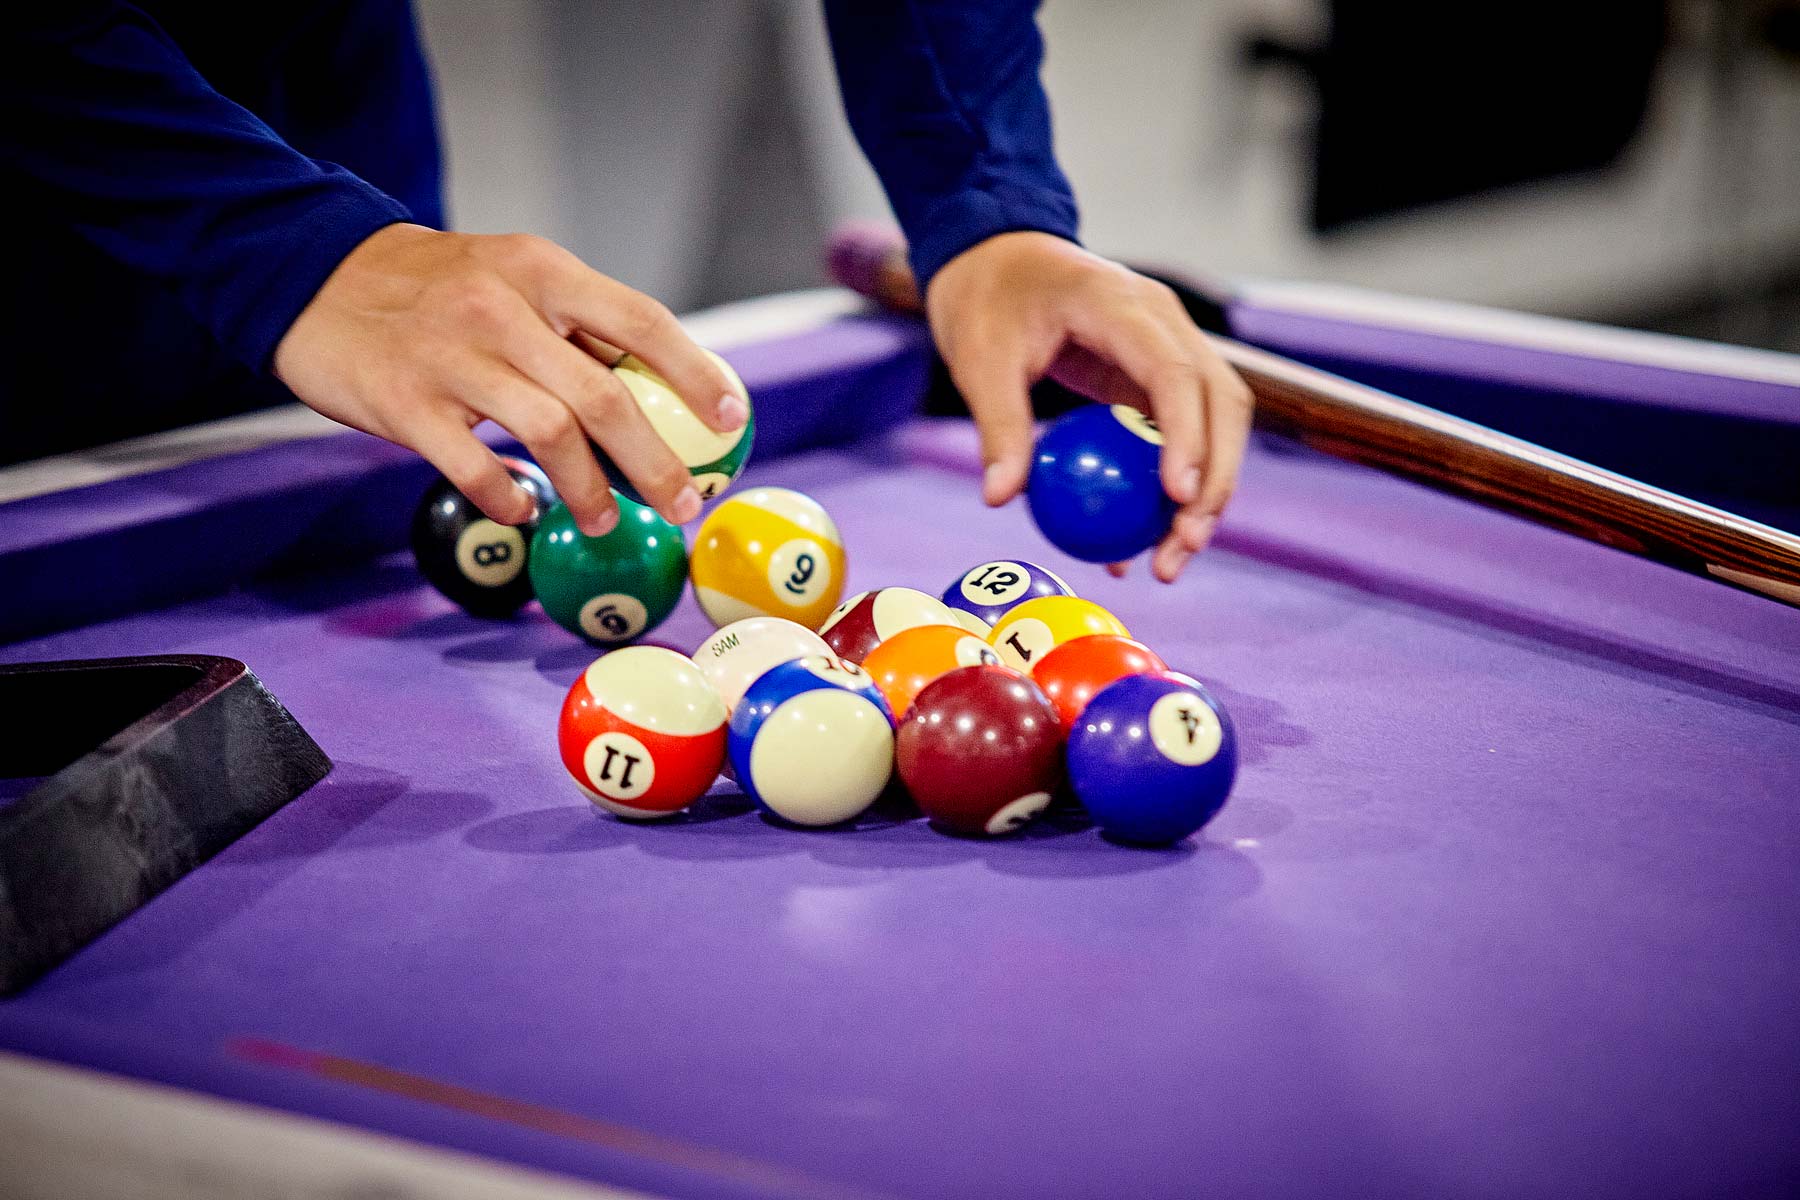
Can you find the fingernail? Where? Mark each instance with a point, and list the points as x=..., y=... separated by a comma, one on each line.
x=686, y=506
x=733, y=412
x=602, y=524
x=533, y=510
x=1187, y=486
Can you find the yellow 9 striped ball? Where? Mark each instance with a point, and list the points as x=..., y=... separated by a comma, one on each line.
x=768, y=552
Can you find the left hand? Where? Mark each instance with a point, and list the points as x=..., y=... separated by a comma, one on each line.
x=1018, y=307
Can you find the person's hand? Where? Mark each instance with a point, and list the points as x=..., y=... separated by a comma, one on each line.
x=1021, y=306
x=419, y=336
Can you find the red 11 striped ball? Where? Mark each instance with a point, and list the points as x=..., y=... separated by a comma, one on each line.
x=642, y=732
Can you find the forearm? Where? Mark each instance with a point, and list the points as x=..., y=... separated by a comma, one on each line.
x=114, y=134
x=945, y=100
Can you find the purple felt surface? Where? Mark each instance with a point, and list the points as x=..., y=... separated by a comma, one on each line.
x=1505, y=903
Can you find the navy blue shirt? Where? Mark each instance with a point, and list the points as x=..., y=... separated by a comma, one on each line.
x=189, y=174
x=945, y=100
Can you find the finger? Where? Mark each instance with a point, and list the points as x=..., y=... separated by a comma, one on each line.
x=474, y=470
x=572, y=296
x=997, y=388
x=1230, y=407
x=549, y=430
x=1118, y=570
x=605, y=410
x=1187, y=536
x=1165, y=367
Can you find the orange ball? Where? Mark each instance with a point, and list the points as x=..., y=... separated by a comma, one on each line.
x=904, y=664
x=1072, y=672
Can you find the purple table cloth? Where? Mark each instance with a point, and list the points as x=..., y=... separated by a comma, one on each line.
x=1505, y=902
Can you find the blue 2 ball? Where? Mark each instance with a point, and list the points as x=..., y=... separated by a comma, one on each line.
x=1094, y=490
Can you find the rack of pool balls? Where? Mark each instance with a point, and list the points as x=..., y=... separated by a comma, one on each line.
x=985, y=703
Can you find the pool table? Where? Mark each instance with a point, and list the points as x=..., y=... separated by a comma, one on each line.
x=1506, y=901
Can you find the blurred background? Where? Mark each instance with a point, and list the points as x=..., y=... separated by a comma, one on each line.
x=1627, y=161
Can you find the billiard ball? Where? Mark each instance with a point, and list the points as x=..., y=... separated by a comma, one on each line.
x=610, y=588
x=867, y=619
x=904, y=664
x=1071, y=673
x=768, y=552
x=812, y=741
x=713, y=459
x=1036, y=627
x=992, y=589
x=980, y=750
x=1152, y=758
x=1094, y=490
x=478, y=563
x=642, y=733
x=734, y=657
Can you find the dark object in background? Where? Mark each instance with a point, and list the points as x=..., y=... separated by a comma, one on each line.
x=1781, y=28
x=134, y=771
x=1422, y=101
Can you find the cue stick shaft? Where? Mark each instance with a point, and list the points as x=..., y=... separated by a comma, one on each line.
x=1364, y=425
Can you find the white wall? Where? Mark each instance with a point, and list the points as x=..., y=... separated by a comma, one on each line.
x=694, y=148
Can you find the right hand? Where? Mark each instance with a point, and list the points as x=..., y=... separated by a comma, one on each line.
x=419, y=336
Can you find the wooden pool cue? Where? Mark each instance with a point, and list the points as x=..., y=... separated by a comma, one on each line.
x=1364, y=425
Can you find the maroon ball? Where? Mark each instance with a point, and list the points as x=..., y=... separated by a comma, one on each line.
x=854, y=636
x=980, y=750
x=867, y=619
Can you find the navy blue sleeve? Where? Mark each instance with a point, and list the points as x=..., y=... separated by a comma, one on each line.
x=945, y=100
x=113, y=131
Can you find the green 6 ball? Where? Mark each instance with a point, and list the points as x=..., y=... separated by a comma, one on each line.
x=610, y=588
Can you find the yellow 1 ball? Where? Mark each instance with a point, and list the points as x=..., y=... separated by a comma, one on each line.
x=1028, y=632
x=768, y=552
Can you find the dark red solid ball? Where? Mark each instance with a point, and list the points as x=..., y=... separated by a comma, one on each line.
x=980, y=750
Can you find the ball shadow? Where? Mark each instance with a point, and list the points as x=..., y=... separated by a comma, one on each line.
x=569, y=656
x=526, y=640
x=559, y=829
x=1263, y=728
x=562, y=664
x=449, y=624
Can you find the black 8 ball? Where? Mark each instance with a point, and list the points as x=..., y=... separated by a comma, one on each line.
x=478, y=563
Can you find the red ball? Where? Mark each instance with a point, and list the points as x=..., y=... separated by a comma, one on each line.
x=1072, y=672
x=642, y=732
x=980, y=750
